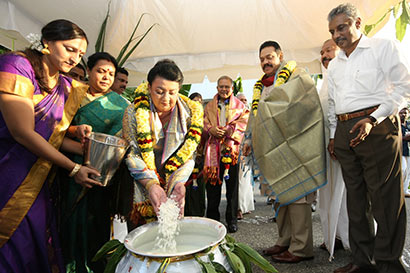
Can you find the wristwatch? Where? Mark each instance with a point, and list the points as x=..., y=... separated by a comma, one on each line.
x=373, y=121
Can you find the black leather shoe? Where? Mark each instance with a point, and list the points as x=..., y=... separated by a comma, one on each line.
x=232, y=228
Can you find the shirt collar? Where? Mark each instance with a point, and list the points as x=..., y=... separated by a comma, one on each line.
x=364, y=42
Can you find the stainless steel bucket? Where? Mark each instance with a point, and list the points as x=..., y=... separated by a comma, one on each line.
x=104, y=153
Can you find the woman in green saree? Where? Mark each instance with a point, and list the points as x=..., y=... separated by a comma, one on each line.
x=85, y=213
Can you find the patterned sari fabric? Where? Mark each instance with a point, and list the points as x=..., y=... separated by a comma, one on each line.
x=85, y=222
x=166, y=143
x=28, y=235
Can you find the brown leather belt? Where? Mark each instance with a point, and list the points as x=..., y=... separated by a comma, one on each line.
x=361, y=113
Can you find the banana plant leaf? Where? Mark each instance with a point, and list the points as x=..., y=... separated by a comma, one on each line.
x=122, y=60
x=99, y=44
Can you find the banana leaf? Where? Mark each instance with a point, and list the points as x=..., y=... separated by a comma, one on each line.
x=125, y=47
x=256, y=258
x=402, y=21
x=234, y=261
x=122, y=60
x=206, y=267
x=99, y=44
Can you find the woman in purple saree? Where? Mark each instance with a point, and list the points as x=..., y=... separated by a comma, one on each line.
x=37, y=104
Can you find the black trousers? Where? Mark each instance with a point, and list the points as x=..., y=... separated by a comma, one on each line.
x=213, y=194
x=372, y=173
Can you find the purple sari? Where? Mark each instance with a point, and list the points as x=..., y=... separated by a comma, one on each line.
x=28, y=235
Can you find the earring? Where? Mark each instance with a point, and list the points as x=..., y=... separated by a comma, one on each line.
x=45, y=50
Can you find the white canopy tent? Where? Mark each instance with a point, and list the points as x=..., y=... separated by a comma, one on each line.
x=211, y=37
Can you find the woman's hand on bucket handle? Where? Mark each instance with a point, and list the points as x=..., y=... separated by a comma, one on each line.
x=83, y=177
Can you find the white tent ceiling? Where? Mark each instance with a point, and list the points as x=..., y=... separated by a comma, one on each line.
x=204, y=37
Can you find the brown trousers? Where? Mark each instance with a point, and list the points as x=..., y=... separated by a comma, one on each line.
x=295, y=229
x=373, y=170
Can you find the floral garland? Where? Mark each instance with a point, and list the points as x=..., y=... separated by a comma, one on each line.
x=227, y=160
x=144, y=135
x=282, y=78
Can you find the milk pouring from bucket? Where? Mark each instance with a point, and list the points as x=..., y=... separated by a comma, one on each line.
x=104, y=153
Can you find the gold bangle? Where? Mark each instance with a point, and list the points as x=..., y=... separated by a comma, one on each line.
x=75, y=170
x=150, y=184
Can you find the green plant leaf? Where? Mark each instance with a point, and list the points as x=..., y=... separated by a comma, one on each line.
x=122, y=60
x=219, y=268
x=99, y=44
x=256, y=258
x=233, y=260
x=396, y=9
x=229, y=239
x=125, y=47
x=107, y=247
x=185, y=88
x=115, y=259
x=244, y=258
x=368, y=28
x=402, y=21
x=206, y=267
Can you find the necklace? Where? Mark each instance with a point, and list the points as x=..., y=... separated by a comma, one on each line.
x=283, y=77
x=144, y=134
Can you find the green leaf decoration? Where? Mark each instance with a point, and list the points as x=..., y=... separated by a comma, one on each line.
x=256, y=258
x=368, y=28
x=402, y=21
x=99, y=44
x=115, y=259
x=396, y=9
x=219, y=268
x=206, y=267
x=229, y=239
x=129, y=93
x=185, y=88
x=106, y=248
x=122, y=60
x=244, y=258
x=234, y=261
x=237, y=86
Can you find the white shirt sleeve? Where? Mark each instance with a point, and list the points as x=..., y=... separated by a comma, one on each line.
x=396, y=69
x=331, y=110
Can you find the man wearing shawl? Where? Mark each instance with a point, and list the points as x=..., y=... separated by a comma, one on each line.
x=286, y=134
x=225, y=121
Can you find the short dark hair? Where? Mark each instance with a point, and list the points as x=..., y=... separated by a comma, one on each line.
x=166, y=69
x=270, y=43
x=121, y=70
x=93, y=59
x=194, y=95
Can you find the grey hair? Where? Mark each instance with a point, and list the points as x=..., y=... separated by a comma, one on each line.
x=346, y=8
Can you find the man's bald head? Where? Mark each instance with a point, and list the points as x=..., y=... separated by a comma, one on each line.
x=328, y=52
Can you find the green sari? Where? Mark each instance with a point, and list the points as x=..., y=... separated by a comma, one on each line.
x=86, y=213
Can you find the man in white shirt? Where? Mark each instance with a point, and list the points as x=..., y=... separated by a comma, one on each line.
x=367, y=81
x=332, y=197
